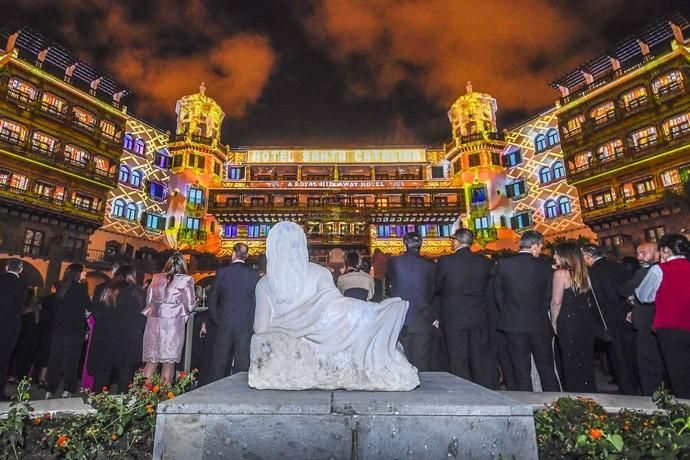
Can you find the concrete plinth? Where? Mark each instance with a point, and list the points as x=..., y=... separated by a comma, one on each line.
x=446, y=417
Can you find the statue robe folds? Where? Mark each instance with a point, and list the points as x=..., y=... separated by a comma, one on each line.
x=323, y=340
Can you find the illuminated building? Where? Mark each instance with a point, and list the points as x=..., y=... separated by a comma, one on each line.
x=60, y=144
x=476, y=156
x=542, y=199
x=625, y=131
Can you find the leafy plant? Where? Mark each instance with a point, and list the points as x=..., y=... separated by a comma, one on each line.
x=13, y=428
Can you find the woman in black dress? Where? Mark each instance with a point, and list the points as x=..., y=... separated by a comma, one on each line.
x=572, y=319
x=69, y=326
x=118, y=331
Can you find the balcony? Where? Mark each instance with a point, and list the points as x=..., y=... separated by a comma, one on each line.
x=331, y=207
x=481, y=136
x=622, y=205
x=570, y=134
x=12, y=137
x=635, y=106
x=59, y=114
x=677, y=132
x=88, y=128
x=191, y=235
x=604, y=119
x=20, y=98
x=669, y=91
x=57, y=204
x=45, y=149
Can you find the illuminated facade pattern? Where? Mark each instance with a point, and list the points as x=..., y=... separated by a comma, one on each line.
x=542, y=198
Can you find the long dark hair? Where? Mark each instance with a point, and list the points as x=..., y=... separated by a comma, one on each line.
x=124, y=276
x=175, y=266
x=71, y=277
x=571, y=259
x=676, y=243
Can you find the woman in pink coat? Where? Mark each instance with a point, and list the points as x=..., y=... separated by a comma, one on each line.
x=169, y=301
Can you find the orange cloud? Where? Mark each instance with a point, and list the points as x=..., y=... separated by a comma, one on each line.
x=509, y=49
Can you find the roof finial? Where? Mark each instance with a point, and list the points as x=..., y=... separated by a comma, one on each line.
x=202, y=88
x=469, y=87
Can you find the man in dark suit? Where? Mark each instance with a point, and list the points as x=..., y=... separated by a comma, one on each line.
x=462, y=280
x=606, y=277
x=650, y=366
x=231, y=307
x=522, y=286
x=411, y=277
x=14, y=293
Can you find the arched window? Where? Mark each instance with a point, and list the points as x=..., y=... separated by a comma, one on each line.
x=540, y=143
x=124, y=173
x=139, y=147
x=550, y=209
x=558, y=169
x=128, y=142
x=118, y=208
x=544, y=175
x=564, y=205
x=132, y=212
x=552, y=137
x=136, y=178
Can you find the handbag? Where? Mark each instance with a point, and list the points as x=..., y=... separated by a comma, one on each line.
x=601, y=329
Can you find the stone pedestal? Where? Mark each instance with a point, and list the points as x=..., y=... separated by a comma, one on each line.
x=446, y=417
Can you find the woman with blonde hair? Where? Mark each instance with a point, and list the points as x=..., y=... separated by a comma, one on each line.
x=572, y=319
x=169, y=301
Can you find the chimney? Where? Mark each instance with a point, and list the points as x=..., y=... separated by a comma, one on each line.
x=11, y=40
x=41, y=57
x=69, y=71
x=677, y=33
x=589, y=79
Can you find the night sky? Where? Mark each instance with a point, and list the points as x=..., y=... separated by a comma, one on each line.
x=336, y=72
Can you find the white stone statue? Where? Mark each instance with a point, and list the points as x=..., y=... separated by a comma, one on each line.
x=307, y=335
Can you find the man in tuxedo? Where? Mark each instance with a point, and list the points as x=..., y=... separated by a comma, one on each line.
x=231, y=307
x=606, y=276
x=14, y=293
x=462, y=281
x=650, y=366
x=522, y=286
x=411, y=277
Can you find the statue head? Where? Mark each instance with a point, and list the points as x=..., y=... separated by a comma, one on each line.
x=287, y=261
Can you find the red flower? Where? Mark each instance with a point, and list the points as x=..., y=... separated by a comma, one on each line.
x=171, y=395
x=181, y=375
x=113, y=437
x=62, y=441
x=37, y=420
x=105, y=389
x=155, y=388
x=596, y=433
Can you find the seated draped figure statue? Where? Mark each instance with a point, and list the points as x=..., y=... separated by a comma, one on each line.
x=307, y=335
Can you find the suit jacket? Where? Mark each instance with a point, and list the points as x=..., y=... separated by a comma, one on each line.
x=606, y=277
x=522, y=287
x=232, y=300
x=69, y=317
x=462, y=280
x=14, y=294
x=411, y=277
x=642, y=313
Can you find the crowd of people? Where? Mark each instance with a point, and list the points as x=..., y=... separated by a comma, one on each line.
x=494, y=322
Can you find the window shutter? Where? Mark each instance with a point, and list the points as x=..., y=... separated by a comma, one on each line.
x=521, y=186
x=518, y=157
x=144, y=216
x=161, y=223
x=509, y=190
x=513, y=222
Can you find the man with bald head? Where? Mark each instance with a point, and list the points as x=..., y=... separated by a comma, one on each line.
x=650, y=367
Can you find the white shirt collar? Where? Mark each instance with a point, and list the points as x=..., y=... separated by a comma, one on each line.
x=238, y=262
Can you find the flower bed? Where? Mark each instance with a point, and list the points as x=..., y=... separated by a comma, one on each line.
x=121, y=427
x=581, y=429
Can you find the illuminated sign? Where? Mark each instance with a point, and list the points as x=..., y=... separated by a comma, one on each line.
x=337, y=156
x=339, y=184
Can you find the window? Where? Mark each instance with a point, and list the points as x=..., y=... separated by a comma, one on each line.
x=196, y=161
x=564, y=205
x=75, y=247
x=580, y=162
x=521, y=221
x=123, y=175
x=21, y=91
x=157, y=190
x=544, y=175
x=118, y=208
x=258, y=201
x=155, y=222
x=4, y=177
x=610, y=151
x=478, y=195
x=634, y=98
x=540, y=143
x=290, y=201
x=43, y=190
x=574, y=125
x=193, y=223
x=475, y=160
x=195, y=195
x=654, y=234
x=131, y=211
x=139, y=147
x=516, y=189
x=107, y=129
x=513, y=158
x=33, y=240
x=550, y=209
x=83, y=118
x=19, y=182
x=44, y=144
x=258, y=230
x=162, y=160
x=441, y=200
x=383, y=231
x=54, y=105
x=496, y=158
x=235, y=173
x=77, y=156
x=667, y=84
x=101, y=166
x=643, y=138
x=598, y=200
x=677, y=126
x=359, y=201
x=671, y=177
x=416, y=201
x=137, y=175
x=82, y=201
x=644, y=187
x=382, y=202
x=178, y=160
x=437, y=172
x=12, y=132
x=314, y=201
x=230, y=231
x=128, y=143
x=558, y=170
x=552, y=137
x=457, y=165
x=603, y=113
x=482, y=222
